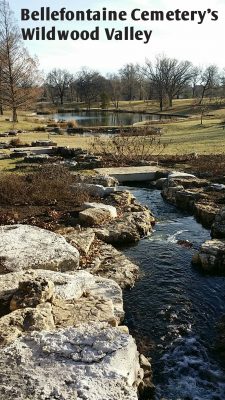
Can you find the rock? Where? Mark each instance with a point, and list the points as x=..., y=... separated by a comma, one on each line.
x=104, y=180
x=160, y=183
x=143, y=221
x=23, y=247
x=112, y=264
x=218, y=228
x=127, y=229
x=122, y=198
x=40, y=158
x=217, y=187
x=144, y=362
x=94, y=190
x=146, y=386
x=118, y=234
x=94, y=216
x=101, y=206
x=31, y=293
x=185, y=243
x=184, y=199
x=188, y=183
x=169, y=193
x=66, y=287
x=182, y=179
x=87, y=308
x=109, y=289
x=211, y=256
x=43, y=143
x=82, y=240
x=206, y=213
x=20, y=321
x=175, y=175
x=92, y=362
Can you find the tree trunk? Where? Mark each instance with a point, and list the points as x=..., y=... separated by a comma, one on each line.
x=161, y=104
x=203, y=94
x=15, y=117
x=1, y=110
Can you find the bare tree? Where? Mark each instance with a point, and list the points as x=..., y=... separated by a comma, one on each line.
x=209, y=80
x=115, y=89
x=195, y=79
x=90, y=85
x=58, y=83
x=19, y=72
x=130, y=80
x=169, y=77
x=154, y=74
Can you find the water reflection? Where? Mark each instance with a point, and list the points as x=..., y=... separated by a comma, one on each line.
x=96, y=118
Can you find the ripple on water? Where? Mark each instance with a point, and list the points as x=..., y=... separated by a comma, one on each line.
x=175, y=307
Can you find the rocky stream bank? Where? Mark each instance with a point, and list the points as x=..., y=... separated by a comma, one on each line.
x=61, y=305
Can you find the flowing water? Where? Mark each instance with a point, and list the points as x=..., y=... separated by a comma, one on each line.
x=174, y=308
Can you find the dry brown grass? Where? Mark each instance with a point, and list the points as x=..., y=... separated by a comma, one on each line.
x=50, y=185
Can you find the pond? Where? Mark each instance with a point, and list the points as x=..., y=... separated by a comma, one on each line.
x=105, y=118
x=173, y=308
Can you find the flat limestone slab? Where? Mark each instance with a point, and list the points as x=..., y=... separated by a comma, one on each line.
x=129, y=174
x=92, y=362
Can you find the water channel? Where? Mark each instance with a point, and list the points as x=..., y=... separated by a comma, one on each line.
x=174, y=308
x=101, y=118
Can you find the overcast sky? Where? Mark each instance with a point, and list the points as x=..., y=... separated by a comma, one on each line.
x=200, y=43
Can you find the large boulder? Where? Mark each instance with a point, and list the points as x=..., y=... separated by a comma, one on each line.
x=206, y=213
x=94, y=216
x=112, y=264
x=169, y=193
x=81, y=239
x=74, y=298
x=122, y=198
x=23, y=247
x=94, y=190
x=92, y=362
x=127, y=229
x=211, y=256
x=119, y=233
x=98, y=179
x=101, y=206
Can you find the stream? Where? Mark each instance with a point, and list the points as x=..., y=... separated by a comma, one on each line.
x=173, y=309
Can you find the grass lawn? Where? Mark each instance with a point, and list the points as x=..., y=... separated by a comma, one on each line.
x=189, y=136
x=184, y=136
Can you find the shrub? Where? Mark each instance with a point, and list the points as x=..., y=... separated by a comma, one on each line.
x=72, y=124
x=16, y=142
x=126, y=149
x=40, y=129
x=49, y=185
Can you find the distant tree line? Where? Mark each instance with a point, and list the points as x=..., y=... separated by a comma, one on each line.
x=163, y=80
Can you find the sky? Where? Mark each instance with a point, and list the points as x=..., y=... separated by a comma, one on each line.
x=201, y=44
